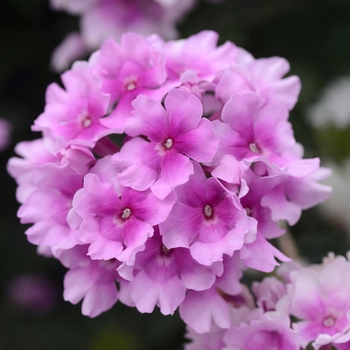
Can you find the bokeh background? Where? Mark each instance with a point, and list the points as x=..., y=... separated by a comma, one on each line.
x=313, y=35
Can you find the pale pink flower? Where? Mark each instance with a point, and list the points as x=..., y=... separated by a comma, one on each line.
x=268, y=292
x=213, y=339
x=73, y=115
x=33, y=154
x=200, y=318
x=270, y=331
x=245, y=130
x=94, y=281
x=48, y=205
x=319, y=297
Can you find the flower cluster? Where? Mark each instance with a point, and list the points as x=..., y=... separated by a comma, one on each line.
x=163, y=170
x=316, y=298
x=102, y=19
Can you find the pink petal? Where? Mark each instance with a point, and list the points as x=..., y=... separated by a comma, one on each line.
x=176, y=169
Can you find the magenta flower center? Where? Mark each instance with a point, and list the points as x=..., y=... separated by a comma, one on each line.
x=329, y=321
x=126, y=213
x=165, y=250
x=254, y=148
x=208, y=211
x=109, y=264
x=168, y=143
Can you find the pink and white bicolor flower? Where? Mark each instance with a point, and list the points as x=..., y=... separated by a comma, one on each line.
x=206, y=219
x=246, y=133
x=270, y=332
x=48, y=205
x=176, y=133
x=73, y=115
x=115, y=222
x=319, y=298
x=127, y=73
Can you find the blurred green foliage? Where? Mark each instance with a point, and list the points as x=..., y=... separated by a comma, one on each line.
x=313, y=35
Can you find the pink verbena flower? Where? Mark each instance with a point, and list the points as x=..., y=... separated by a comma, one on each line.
x=200, y=318
x=115, y=222
x=183, y=137
x=245, y=130
x=73, y=116
x=94, y=281
x=48, y=205
x=269, y=331
x=126, y=73
x=319, y=297
x=268, y=292
x=207, y=341
x=213, y=340
x=176, y=133
x=34, y=154
x=207, y=220
x=262, y=76
x=296, y=193
x=198, y=54
x=161, y=276
x=261, y=254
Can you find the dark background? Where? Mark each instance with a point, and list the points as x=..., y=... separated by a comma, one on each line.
x=313, y=35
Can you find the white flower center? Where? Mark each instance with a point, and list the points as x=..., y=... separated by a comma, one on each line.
x=329, y=321
x=254, y=148
x=208, y=211
x=130, y=86
x=86, y=122
x=126, y=213
x=168, y=143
